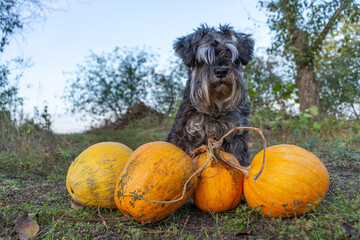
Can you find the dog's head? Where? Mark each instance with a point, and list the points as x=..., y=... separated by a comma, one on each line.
x=214, y=57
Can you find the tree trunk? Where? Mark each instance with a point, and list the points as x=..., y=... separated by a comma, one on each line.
x=305, y=80
x=308, y=88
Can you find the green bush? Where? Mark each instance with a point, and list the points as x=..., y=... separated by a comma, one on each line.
x=302, y=128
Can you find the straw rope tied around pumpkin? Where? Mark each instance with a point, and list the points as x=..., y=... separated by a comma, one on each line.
x=213, y=150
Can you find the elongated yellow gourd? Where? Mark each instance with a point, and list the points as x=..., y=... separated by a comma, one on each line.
x=92, y=175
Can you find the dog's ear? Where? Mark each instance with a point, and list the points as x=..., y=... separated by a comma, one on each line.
x=245, y=46
x=186, y=47
x=243, y=42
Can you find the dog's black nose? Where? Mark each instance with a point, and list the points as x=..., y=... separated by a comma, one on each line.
x=221, y=72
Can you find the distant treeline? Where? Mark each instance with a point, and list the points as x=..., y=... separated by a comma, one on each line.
x=312, y=67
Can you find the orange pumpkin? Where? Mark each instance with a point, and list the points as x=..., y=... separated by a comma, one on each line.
x=219, y=186
x=292, y=183
x=155, y=171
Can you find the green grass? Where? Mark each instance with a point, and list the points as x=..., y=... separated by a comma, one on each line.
x=32, y=180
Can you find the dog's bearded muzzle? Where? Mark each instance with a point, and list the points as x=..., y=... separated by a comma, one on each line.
x=216, y=93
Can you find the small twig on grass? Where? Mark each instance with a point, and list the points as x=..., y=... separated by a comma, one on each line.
x=211, y=213
x=102, y=218
x=186, y=220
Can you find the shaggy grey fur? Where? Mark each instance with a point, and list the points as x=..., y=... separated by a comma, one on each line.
x=215, y=93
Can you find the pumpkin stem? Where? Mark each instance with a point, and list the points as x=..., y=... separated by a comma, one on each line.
x=197, y=151
x=214, y=147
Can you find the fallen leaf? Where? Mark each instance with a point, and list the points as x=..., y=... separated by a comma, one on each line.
x=76, y=206
x=26, y=227
x=242, y=233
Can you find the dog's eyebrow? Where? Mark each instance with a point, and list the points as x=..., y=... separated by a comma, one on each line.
x=206, y=54
x=233, y=49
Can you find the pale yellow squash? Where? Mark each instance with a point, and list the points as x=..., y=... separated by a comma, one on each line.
x=92, y=175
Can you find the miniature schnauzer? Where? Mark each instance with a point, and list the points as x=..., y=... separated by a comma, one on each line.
x=215, y=94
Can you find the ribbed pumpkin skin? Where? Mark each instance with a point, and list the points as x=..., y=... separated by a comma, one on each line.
x=93, y=174
x=219, y=187
x=292, y=179
x=156, y=171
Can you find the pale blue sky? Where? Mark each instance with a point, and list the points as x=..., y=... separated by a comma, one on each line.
x=66, y=37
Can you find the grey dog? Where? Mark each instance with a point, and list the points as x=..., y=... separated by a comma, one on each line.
x=215, y=94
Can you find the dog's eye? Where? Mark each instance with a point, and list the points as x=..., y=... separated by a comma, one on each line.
x=214, y=44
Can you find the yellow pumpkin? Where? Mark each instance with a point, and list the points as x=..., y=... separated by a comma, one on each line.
x=92, y=175
x=292, y=183
x=155, y=171
x=219, y=186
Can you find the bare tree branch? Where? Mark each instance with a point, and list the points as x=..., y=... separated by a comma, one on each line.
x=316, y=44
